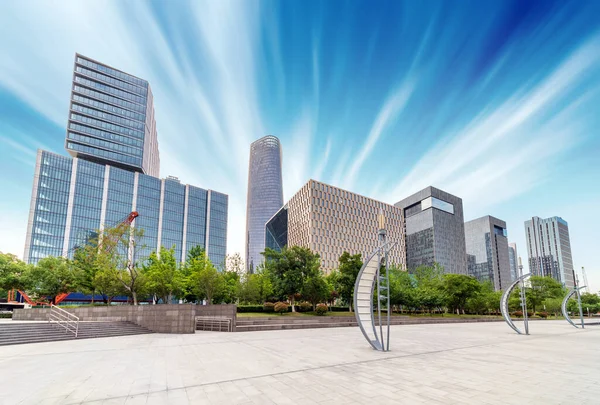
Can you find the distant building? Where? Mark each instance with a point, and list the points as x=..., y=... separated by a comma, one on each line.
x=513, y=260
x=112, y=135
x=265, y=195
x=549, y=249
x=111, y=118
x=329, y=221
x=487, y=251
x=435, y=230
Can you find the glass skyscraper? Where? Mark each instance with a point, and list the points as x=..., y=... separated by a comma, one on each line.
x=487, y=251
x=74, y=197
x=549, y=249
x=111, y=118
x=265, y=195
x=513, y=260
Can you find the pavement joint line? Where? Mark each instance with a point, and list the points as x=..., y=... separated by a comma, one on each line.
x=308, y=369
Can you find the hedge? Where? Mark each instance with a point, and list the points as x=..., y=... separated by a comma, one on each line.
x=249, y=308
x=5, y=314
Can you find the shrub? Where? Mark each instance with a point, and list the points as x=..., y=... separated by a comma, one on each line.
x=304, y=307
x=543, y=314
x=251, y=308
x=338, y=309
x=281, y=307
x=5, y=314
x=518, y=314
x=321, y=309
x=268, y=307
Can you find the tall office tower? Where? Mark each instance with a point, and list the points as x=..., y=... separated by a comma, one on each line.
x=487, y=251
x=513, y=260
x=549, y=249
x=113, y=173
x=329, y=221
x=111, y=119
x=73, y=198
x=435, y=230
x=265, y=195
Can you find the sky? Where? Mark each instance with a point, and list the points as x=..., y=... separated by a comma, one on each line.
x=497, y=102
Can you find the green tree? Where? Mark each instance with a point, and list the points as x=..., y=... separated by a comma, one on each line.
x=315, y=290
x=52, y=276
x=290, y=268
x=349, y=268
x=90, y=259
x=164, y=279
x=235, y=264
x=107, y=284
x=333, y=285
x=402, y=289
x=541, y=289
x=12, y=272
x=458, y=289
x=428, y=291
x=553, y=305
x=228, y=293
x=203, y=278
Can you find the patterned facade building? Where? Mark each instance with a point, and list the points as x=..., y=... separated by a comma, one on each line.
x=435, y=231
x=114, y=170
x=329, y=221
x=265, y=195
x=513, y=260
x=487, y=251
x=549, y=249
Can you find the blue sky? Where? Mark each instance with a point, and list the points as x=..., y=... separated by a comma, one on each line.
x=497, y=102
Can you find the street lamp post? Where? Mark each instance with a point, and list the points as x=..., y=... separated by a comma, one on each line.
x=523, y=299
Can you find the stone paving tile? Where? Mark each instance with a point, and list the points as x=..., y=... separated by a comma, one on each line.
x=429, y=364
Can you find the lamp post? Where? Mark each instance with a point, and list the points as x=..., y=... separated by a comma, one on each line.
x=523, y=299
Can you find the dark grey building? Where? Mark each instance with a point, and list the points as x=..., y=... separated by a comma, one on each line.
x=111, y=118
x=487, y=251
x=513, y=260
x=265, y=195
x=74, y=197
x=549, y=249
x=434, y=230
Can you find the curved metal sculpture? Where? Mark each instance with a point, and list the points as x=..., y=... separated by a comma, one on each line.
x=564, y=307
x=367, y=280
x=504, y=305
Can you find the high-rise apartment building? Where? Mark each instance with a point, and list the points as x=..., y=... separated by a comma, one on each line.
x=435, y=230
x=513, y=260
x=74, y=197
x=487, y=251
x=549, y=249
x=329, y=221
x=265, y=195
x=111, y=118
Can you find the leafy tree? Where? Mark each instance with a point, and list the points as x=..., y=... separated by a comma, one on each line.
x=290, y=268
x=458, y=289
x=402, y=288
x=195, y=252
x=349, y=268
x=235, y=264
x=52, y=276
x=428, y=292
x=164, y=279
x=203, y=277
x=553, y=305
x=315, y=290
x=333, y=285
x=255, y=288
x=107, y=284
x=541, y=289
x=12, y=272
x=228, y=293
x=590, y=299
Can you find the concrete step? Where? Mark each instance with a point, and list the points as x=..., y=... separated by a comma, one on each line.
x=21, y=333
x=279, y=326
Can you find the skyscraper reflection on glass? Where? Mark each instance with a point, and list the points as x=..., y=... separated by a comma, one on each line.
x=265, y=195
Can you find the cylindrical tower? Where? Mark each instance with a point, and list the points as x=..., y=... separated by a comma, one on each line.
x=265, y=195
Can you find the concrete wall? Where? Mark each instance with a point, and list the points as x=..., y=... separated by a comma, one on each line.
x=224, y=311
x=157, y=318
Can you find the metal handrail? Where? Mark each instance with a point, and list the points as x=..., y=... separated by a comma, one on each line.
x=64, y=319
x=214, y=320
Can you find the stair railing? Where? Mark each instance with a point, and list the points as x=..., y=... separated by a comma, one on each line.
x=64, y=319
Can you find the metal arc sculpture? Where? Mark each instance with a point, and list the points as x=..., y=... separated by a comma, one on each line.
x=368, y=281
x=504, y=305
x=565, y=313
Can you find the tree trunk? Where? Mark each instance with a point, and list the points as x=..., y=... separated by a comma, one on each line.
x=292, y=302
x=349, y=307
x=93, y=293
x=134, y=296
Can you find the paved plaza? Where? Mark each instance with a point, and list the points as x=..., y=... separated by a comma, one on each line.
x=483, y=363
